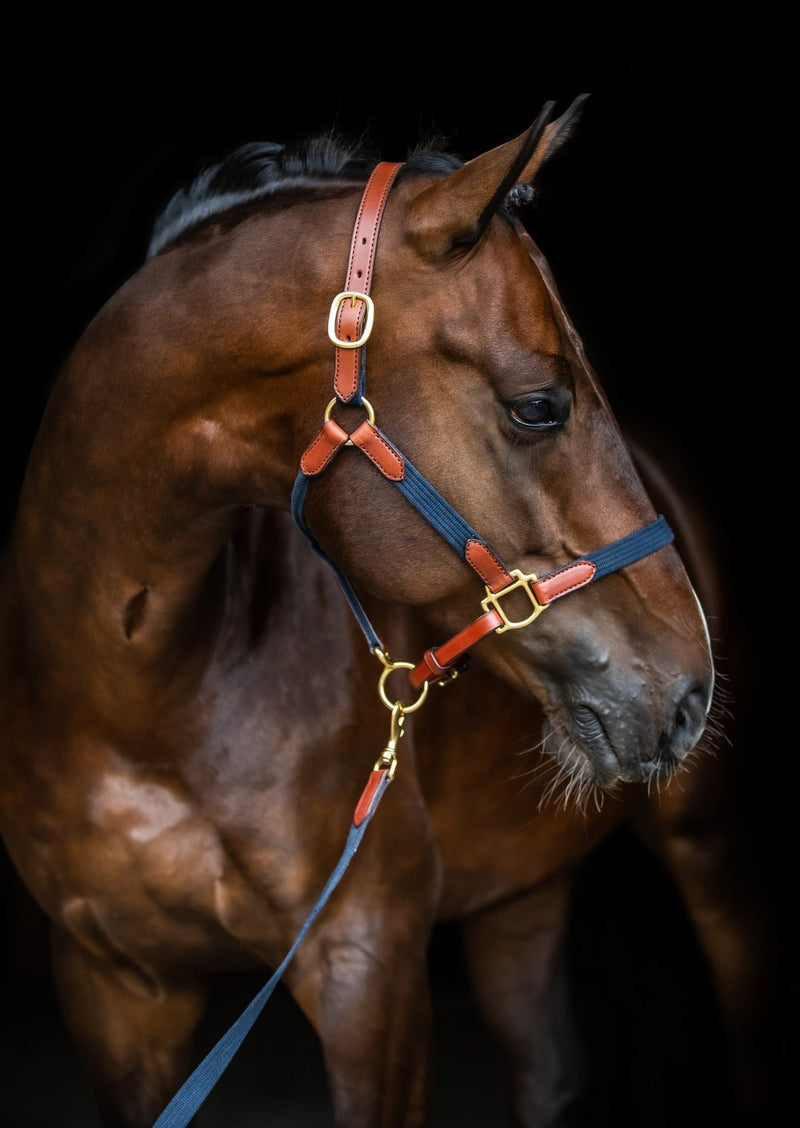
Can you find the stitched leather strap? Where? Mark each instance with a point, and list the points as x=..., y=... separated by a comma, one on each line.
x=563, y=580
x=487, y=564
x=350, y=316
x=439, y=662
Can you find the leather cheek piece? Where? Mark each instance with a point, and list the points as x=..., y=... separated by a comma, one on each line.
x=366, y=437
x=379, y=450
x=359, y=275
x=488, y=566
x=321, y=450
x=345, y=373
x=348, y=323
x=564, y=580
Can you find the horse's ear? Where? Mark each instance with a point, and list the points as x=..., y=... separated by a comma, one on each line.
x=456, y=211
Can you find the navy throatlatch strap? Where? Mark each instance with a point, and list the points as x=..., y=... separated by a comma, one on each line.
x=298, y=501
x=184, y=1105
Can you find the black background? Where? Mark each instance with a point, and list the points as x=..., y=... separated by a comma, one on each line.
x=666, y=225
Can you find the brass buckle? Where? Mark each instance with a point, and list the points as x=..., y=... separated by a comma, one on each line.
x=493, y=597
x=354, y=297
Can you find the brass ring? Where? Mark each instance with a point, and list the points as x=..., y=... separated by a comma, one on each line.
x=389, y=669
x=364, y=403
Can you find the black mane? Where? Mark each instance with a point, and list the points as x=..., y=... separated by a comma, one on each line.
x=260, y=169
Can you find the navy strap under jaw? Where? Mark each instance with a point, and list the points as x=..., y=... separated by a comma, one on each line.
x=298, y=501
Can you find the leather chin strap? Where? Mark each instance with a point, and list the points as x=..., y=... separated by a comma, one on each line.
x=349, y=326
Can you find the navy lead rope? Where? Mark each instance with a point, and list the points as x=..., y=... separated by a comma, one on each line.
x=186, y=1102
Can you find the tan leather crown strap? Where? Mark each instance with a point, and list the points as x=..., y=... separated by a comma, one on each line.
x=351, y=314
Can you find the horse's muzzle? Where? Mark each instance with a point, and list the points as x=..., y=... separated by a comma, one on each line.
x=633, y=743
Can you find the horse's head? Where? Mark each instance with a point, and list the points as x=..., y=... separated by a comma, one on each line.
x=477, y=376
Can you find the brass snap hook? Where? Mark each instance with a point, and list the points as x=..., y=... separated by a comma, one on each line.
x=387, y=761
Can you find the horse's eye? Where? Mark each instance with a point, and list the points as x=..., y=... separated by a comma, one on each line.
x=534, y=413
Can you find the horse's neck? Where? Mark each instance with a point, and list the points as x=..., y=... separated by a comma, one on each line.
x=159, y=433
x=124, y=572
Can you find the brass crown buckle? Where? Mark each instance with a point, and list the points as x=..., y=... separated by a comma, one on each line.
x=493, y=598
x=354, y=297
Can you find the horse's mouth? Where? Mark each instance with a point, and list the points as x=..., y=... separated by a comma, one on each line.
x=582, y=741
x=593, y=740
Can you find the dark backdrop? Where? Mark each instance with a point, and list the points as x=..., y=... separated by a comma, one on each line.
x=665, y=226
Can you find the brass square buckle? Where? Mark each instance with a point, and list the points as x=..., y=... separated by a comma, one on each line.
x=493, y=597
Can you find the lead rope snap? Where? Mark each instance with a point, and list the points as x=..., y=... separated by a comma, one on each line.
x=387, y=761
x=388, y=758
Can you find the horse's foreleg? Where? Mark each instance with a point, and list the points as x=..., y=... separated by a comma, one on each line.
x=362, y=979
x=134, y=1034
x=372, y=1012
x=515, y=958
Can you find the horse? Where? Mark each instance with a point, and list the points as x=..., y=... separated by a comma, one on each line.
x=341, y=414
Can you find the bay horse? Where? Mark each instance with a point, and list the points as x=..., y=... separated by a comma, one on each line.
x=341, y=415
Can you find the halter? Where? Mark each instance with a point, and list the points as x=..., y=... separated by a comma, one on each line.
x=349, y=326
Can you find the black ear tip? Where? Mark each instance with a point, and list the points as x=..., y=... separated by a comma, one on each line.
x=576, y=107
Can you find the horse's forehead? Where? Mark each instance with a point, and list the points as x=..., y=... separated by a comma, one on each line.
x=497, y=295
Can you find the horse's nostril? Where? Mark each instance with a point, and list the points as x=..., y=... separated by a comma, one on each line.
x=687, y=717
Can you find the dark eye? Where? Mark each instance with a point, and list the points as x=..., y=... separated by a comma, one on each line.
x=538, y=412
